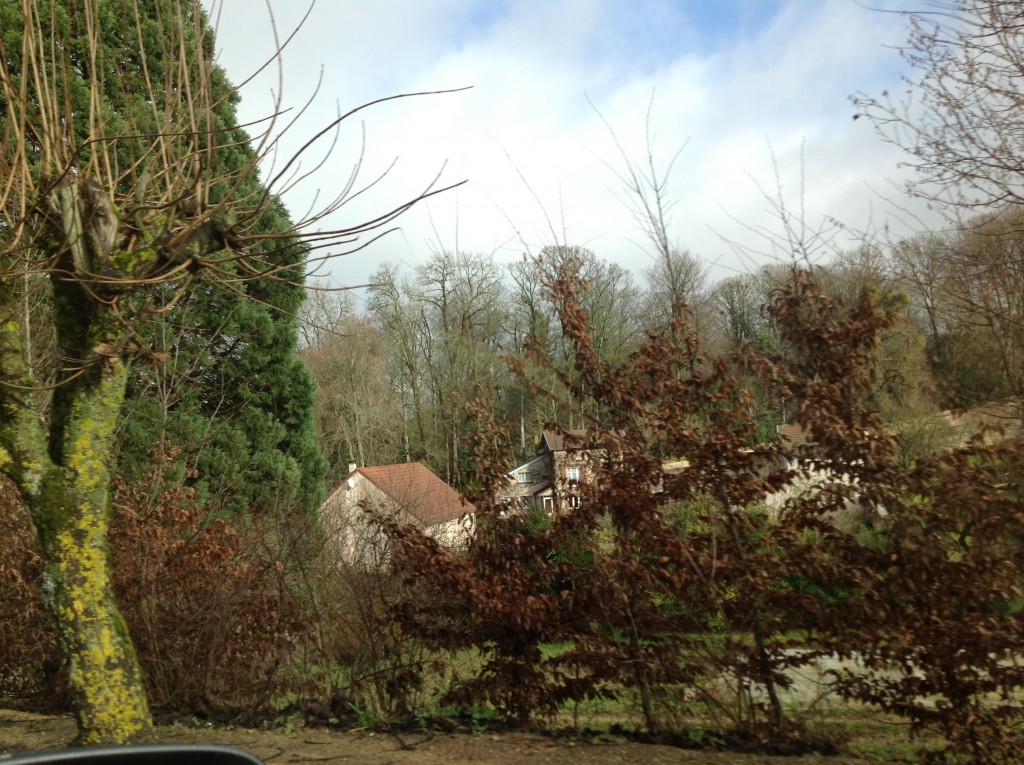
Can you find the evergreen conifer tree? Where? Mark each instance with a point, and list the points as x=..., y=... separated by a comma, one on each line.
x=130, y=199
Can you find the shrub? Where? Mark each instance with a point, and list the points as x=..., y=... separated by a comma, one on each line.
x=207, y=604
x=668, y=586
x=29, y=671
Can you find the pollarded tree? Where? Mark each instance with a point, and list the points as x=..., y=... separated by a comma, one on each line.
x=125, y=186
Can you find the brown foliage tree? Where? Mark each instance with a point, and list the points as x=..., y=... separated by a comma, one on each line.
x=646, y=599
x=209, y=607
x=665, y=585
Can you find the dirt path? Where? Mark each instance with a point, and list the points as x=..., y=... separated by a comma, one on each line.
x=21, y=732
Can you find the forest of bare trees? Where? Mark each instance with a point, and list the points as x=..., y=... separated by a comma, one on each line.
x=394, y=372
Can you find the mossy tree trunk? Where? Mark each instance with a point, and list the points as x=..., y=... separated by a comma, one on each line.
x=61, y=467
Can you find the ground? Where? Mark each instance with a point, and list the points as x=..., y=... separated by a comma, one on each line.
x=20, y=732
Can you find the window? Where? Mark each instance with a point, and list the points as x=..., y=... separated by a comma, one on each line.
x=524, y=477
x=574, y=473
x=575, y=501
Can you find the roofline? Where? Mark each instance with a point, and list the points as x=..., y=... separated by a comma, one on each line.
x=528, y=462
x=465, y=506
x=580, y=437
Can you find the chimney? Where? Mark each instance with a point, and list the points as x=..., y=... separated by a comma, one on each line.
x=352, y=467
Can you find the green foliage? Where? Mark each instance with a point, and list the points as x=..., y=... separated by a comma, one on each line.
x=129, y=189
x=536, y=520
x=235, y=401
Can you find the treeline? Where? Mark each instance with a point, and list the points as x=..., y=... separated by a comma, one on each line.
x=394, y=375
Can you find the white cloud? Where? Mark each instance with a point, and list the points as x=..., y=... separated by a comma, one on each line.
x=780, y=80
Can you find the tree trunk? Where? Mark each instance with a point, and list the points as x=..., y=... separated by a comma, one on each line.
x=64, y=475
x=68, y=499
x=71, y=515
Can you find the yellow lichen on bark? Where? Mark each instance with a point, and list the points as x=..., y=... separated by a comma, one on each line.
x=83, y=459
x=109, y=704
x=93, y=422
x=103, y=674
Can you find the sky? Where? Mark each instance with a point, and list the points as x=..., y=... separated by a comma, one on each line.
x=752, y=94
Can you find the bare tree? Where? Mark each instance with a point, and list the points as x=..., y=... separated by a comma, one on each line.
x=676, y=278
x=960, y=122
x=960, y=117
x=359, y=417
x=444, y=326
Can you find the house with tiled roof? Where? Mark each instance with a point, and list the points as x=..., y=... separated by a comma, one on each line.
x=565, y=461
x=410, y=493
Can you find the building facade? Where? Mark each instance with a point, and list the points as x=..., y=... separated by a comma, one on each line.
x=407, y=493
x=554, y=479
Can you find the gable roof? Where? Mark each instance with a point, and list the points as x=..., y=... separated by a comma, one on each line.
x=556, y=441
x=528, y=464
x=418, y=491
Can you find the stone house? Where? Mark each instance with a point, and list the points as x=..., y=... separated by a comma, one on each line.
x=552, y=480
x=795, y=443
x=410, y=493
x=797, y=446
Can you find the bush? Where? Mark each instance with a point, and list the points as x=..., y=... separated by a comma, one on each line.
x=29, y=670
x=667, y=585
x=370, y=669
x=207, y=606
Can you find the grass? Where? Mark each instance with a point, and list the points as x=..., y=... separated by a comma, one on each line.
x=838, y=727
x=865, y=732
x=692, y=717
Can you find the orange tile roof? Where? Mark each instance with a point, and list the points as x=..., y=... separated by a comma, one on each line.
x=413, y=486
